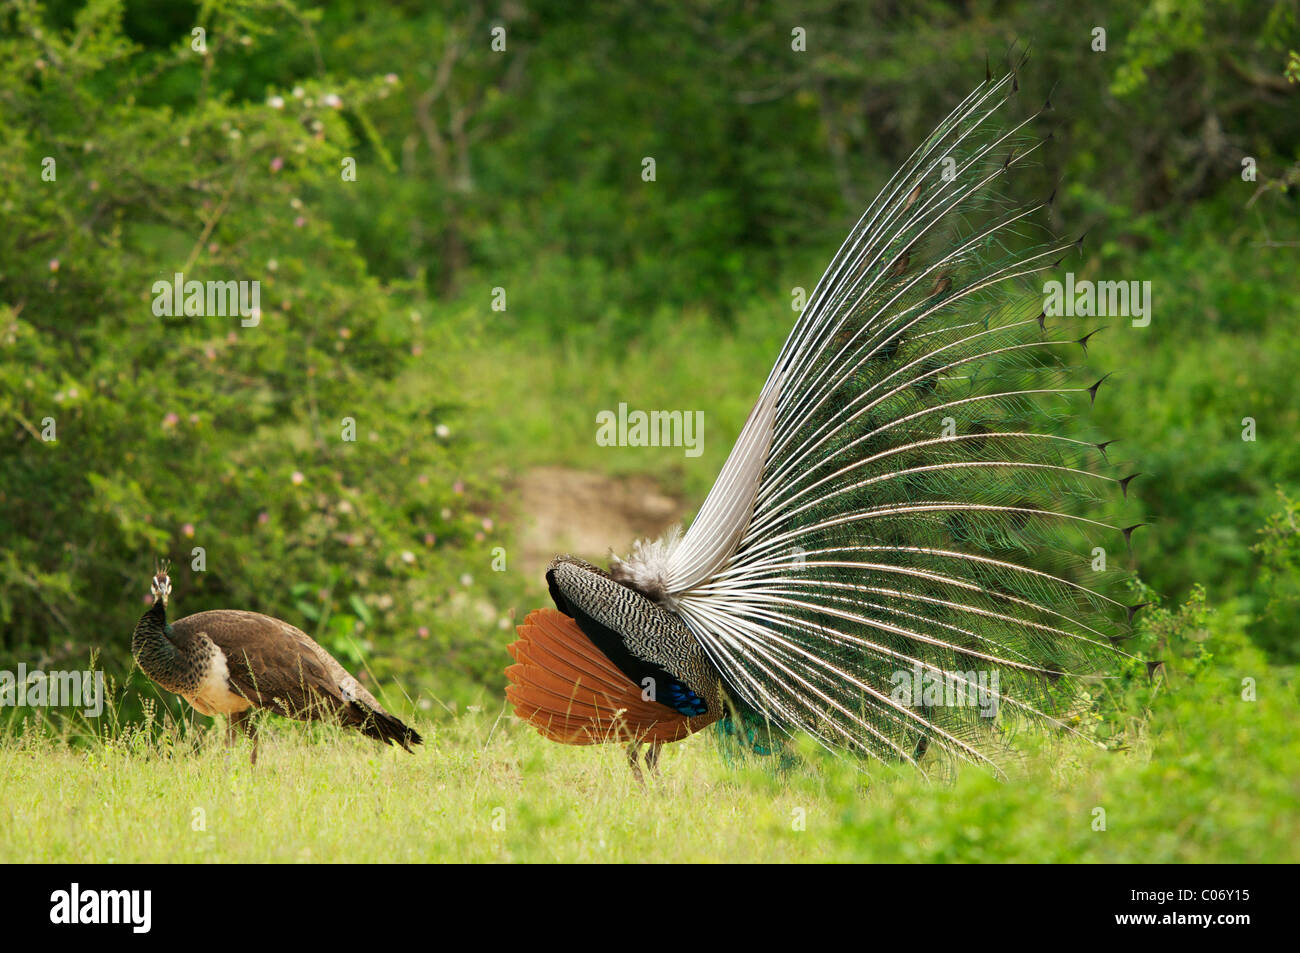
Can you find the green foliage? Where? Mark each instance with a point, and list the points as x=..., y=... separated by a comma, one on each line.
x=1279, y=580
x=220, y=432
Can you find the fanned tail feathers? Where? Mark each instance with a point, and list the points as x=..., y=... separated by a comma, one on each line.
x=921, y=528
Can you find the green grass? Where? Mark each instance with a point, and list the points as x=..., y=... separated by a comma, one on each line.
x=1203, y=776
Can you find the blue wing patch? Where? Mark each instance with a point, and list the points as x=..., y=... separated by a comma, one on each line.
x=684, y=701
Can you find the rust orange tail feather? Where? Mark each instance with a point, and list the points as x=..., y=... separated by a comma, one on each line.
x=569, y=691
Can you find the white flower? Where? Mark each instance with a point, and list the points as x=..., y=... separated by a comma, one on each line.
x=276, y=102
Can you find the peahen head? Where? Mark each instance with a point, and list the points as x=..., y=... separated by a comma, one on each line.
x=161, y=584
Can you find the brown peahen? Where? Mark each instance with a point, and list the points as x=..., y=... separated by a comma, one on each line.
x=229, y=662
x=900, y=554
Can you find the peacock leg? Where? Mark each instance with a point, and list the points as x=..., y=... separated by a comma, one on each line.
x=652, y=757
x=633, y=755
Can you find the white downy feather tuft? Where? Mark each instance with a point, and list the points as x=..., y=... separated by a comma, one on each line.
x=648, y=567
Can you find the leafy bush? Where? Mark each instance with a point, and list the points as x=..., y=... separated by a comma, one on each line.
x=314, y=453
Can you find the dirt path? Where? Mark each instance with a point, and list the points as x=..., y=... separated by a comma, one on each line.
x=587, y=514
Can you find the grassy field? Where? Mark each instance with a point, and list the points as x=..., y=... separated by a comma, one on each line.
x=1197, y=773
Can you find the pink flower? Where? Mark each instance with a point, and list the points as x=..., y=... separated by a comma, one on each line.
x=430, y=539
x=299, y=222
x=54, y=264
x=171, y=420
x=263, y=517
x=487, y=524
x=458, y=487
x=297, y=477
x=188, y=529
x=422, y=632
x=277, y=164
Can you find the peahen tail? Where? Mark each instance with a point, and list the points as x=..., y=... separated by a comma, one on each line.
x=899, y=554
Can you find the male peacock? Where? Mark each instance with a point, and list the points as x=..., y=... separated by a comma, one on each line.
x=898, y=555
x=229, y=662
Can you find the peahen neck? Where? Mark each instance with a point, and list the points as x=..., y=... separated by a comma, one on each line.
x=153, y=650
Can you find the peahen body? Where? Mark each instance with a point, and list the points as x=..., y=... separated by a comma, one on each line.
x=229, y=662
x=899, y=554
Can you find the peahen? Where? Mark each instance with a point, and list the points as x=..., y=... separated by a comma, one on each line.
x=900, y=554
x=229, y=662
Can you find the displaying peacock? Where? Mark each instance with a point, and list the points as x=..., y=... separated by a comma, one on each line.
x=229, y=662
x=899, y=556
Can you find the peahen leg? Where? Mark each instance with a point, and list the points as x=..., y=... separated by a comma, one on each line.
x=244, y=719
